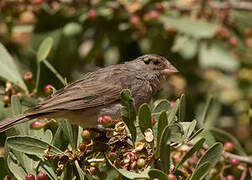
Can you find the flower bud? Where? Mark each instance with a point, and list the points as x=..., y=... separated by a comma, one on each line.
x=139, y=146
x=120, y=126
x=28, y=76
x=112, y=156
x=233, y=41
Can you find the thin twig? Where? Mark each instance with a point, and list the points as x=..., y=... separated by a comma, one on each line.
x=245, y=159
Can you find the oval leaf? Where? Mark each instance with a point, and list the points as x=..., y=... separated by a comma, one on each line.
x=128, y=112
x=162, y=123
x=44, y=49
x=172, y=115
x=144, y=117
x=29, y=145
x=212, y=156
x=195, y=148
x=200, y=172
x=157, y=174
x=9, y=70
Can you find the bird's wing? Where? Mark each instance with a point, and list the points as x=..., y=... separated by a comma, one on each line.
x=89, y=92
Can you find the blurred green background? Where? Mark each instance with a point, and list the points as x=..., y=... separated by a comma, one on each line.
x=210, y=42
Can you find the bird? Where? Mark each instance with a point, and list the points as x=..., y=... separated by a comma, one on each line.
x=98, y=93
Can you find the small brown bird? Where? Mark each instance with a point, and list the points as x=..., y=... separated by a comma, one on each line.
x=98, y=93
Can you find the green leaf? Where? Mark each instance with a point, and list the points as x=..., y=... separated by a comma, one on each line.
x=80, y=171
x=192, y=27
x=3, y=171
x=18, y=172
x=157, y=174
x=206, y=109
x=161, y=105
x=128, y=112
x=72, y=29
x=188, y=128
x=210, y=140
x=129, y=174
x=15, y=105
x=185, y=46
x=48, y=170
x=30, y=145
x=195, y=148
x=217, y=57
x=44, y=49
x=162, y=123
x=165, y=149
x=195, y=134
x=71, y=132
x=172, y=115
x=224, y=136
x=144, y=117
x=182, y=108
x=212, y=156
x=200, y=172
x=9, y=70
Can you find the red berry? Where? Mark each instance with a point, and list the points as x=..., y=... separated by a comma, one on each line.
x=30, y=177
x=6, y=99
x=234, y=161
x=228, y=146
x=107, y=119
x=153, y=14
x=49, y=89
x=91, y=14
x=37, y=124
x=134, y=20
x=233, y=41
x=153, y=121
x=41, y=176
x=172, y=177
x=230, y=177
x=100, y=119
x=85, y=134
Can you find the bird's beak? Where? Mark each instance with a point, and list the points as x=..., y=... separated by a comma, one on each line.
x=170, y=69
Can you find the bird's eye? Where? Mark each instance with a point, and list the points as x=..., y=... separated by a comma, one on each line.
x=146, y=60
x=156, y=62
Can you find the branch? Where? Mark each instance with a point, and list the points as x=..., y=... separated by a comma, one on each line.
x=245, y=159
x=241, y=6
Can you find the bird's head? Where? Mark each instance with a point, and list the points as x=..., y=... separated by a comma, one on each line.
x=154, y=68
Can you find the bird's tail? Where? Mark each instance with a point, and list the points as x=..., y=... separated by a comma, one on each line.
x=12, y=121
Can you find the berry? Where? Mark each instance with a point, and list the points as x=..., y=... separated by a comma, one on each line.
x=233, y=41
x=41, y=176
x=37, y=124
x=153, y=14
x=172, y=103
x=6, y=99
x=85, y=134
x=247, y=31
x=140, y=163
x=91, y=14
x=49, y=89
x=234, y=161
x=228, y=146
x=172, y=177
x=134, y=20
x=30, y=177
x=37, y=1
x=230, y=177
